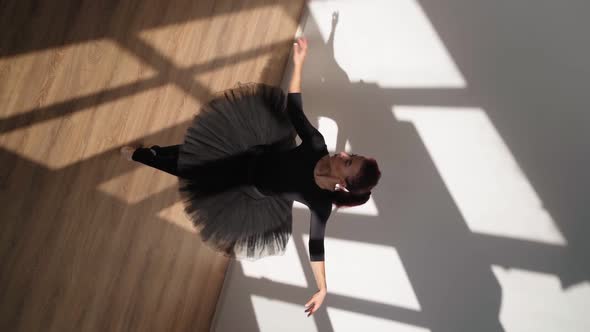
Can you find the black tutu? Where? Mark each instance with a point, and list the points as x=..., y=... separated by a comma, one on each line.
x=238, y=219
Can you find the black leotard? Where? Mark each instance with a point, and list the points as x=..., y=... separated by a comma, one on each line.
x=290, y=173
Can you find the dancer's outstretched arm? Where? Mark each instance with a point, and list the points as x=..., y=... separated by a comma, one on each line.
x=317, y=231
x=306, y=131
x=299, y=53
x=318, y=298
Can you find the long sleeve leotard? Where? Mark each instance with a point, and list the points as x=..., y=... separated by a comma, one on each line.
x=290, y=173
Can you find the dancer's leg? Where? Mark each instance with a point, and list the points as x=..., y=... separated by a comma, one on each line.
x=167, y=151
x=162, y=158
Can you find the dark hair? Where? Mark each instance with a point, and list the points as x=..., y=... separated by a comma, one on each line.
x=359, y=186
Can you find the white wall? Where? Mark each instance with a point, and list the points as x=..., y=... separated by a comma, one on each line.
x=477, y=112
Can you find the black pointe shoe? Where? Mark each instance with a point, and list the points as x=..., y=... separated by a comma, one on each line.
x=154, y=149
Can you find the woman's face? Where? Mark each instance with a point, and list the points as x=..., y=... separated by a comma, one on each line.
x=344, y=165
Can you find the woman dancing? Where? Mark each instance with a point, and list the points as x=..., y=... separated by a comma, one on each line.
x=240, y=170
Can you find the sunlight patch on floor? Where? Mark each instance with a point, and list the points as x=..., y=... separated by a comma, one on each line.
x=492, y=193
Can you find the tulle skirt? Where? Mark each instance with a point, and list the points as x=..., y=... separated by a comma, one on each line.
x=217, y=160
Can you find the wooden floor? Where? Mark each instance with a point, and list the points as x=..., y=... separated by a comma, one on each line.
x=89, y=241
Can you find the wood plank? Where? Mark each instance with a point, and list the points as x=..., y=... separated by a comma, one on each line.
x=89, y=241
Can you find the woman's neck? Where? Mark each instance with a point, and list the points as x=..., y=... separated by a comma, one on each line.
x=322, y=167
x=321, y=172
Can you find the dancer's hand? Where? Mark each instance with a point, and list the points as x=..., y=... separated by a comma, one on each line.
x=315, y=302
x=334, y=19
x=299, y=50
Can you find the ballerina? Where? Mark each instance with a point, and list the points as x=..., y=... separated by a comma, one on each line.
x=240, y=170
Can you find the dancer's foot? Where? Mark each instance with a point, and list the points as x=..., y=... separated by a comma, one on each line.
x=127, y=152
